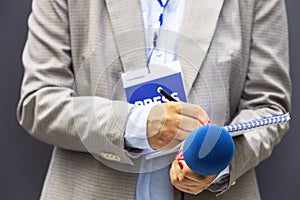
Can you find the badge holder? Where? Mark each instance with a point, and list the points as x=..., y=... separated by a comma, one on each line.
x=141, y=86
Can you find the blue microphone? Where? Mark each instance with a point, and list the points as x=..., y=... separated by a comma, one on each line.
x=208, y=150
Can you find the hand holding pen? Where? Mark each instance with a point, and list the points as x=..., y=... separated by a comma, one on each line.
x=170, y=123
x=182, y=177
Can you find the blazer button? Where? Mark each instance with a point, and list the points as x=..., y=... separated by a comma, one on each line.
x=109, y=156
x=158, y=53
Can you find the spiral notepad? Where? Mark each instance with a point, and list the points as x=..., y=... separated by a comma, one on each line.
x=234, y=130
x=237, y=128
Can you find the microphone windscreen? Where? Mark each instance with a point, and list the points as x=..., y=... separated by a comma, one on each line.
x=208, y=150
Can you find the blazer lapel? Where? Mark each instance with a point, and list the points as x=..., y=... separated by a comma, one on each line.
x=127, y=22
x=198, y=28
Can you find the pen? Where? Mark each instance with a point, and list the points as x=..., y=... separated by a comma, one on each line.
x=170, y=98
x=165, y=94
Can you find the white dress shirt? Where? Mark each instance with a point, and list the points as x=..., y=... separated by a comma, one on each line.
x=156, y=185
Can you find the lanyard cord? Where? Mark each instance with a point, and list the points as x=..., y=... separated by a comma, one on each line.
x=161, y=17
x=160, y=23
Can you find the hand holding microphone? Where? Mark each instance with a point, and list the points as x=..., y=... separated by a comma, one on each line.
x=186, y=180
x=208, y=150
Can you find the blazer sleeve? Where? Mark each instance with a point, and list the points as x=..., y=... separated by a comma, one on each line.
x=49, y=107
x=267, y=90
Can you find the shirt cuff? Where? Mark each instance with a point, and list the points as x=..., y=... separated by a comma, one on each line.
x=136, y=128
x=221, y=182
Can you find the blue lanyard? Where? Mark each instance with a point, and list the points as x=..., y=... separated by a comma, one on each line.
x=161, y=17
x=161, y=21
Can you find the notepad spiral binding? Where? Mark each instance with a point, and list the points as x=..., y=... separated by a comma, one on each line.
x=257, y=123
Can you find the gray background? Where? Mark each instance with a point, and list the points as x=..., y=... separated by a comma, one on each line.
x=24, y=160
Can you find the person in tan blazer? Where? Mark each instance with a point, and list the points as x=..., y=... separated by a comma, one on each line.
x=234, y=56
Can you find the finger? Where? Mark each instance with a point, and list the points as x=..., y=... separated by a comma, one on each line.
x=180, y=176
x=177, y=167
x=196, y=178
x=165, y=145
x=193, y=176
x=199, y=178
x=188, y=173
x=193, y=111
x=164, y=138
x=174, y=172
x=187, y=186
x=181, y=134
x=187, y=189
x=178, y=171
x=189, y=124
x=190, y=186
x=173, y=175
x=168, y=134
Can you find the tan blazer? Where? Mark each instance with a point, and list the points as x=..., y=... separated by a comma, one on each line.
x=235, y=63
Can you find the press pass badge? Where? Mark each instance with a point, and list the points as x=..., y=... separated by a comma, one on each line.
x=141, y=86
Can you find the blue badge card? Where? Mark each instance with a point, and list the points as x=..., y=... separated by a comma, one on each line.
x=141, y=87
